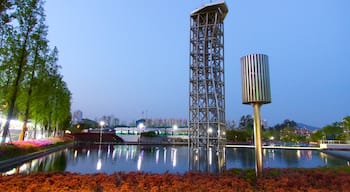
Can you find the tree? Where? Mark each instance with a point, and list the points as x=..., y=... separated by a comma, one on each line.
x=231, y=124
x=5, y=18
x=346, y=125
x=288, y=135
x=246, y=122
x=18, y=43
x=237, y=135
x=335, y=131
x=30, y=83
x=283, y=132
x=36, y=63
x=317, y=136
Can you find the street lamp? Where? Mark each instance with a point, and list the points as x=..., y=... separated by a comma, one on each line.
x=102, y=123
x=140, y=126
x=175, y=127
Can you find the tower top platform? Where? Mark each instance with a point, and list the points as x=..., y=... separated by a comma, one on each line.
x=220, y=6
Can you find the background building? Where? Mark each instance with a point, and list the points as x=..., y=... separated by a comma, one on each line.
x=77, y=117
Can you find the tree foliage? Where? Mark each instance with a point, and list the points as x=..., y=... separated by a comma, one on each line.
x=31, y=86
x=335, y=131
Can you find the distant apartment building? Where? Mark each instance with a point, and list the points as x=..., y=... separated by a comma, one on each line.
x=109, y=120
x=77, y=117
x=167, y=122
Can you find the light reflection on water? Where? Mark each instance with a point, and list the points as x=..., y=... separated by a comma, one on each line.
x=160, y=159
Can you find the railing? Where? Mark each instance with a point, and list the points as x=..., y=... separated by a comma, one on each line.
x=333, y=142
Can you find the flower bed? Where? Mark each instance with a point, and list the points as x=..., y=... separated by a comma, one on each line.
x=316, y=180
x=17, y=148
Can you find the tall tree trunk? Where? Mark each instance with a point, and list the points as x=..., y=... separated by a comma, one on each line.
x=35, y=126
x=29, y=96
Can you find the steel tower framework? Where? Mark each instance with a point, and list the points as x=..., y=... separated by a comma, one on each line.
x=206, y=85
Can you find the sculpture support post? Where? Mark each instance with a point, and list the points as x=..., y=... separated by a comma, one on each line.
x=257, y=138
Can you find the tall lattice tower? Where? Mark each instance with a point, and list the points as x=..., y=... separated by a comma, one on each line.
x=206, y=92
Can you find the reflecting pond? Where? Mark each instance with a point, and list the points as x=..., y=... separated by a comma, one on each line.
x=160, y=159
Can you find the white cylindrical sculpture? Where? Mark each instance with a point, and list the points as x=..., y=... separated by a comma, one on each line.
x=255, y=79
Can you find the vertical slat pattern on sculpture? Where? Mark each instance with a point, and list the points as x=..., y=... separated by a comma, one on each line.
x=206, y=86
x=255, y=76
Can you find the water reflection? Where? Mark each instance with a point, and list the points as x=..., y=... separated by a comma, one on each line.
x=207, y=159
x=53, y=162
x=173, y=159
x=99, y=164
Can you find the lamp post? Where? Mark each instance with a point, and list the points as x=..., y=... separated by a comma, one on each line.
x=140, y=127
x=256, y=91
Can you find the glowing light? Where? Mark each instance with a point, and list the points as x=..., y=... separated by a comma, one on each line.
x=164, y=155
x=298, y=154
x=210, y=158
x=99, y=164
x=141, y=126
x=11, y=172
x=120, y=153
x=133, y=153
x=157, y=156
x=114, y=153
x=139, y=161
x=108, y=151
x=174, y=151
x=210, y=130
x=23, y=168
x=75, y=154
x=34, y=163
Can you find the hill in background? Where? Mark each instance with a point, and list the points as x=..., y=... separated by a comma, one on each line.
x=308, y=127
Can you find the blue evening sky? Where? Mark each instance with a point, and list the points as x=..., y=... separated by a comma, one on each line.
x=124, y=57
